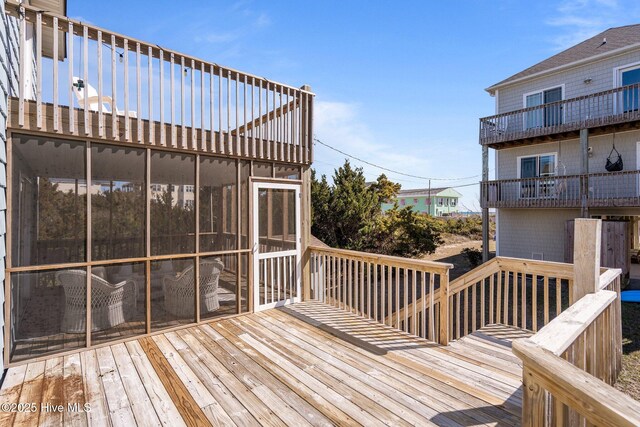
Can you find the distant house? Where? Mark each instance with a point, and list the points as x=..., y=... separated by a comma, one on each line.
x=435, y=201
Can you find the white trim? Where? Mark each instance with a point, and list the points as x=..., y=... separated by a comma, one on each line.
x=257, y=256
x=591, y=59
x=497, y=106
x=617, y=80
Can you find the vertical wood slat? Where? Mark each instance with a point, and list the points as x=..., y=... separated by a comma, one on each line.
x=491, y=297
x=163, y=136
x=523, y=293
x=192, y=71
x=85, y=77
x=546, y=299
x=432, y=308
x=229, y=147
x=172, y=99
x=203, y=132
x=38, y=31
x=406, y=300
x=534, y=302
x=150, y=96
x=414, y=303
x=515, y=299
x=56, y=88
x=127, y=124
x=72, y=111
x=260, y=134
x=245, y=134
x=389, y=294
x=100, y=89
x=114, y=92
x=235, y=122
x=138, y=94
x=397, y=293
x=183, y=120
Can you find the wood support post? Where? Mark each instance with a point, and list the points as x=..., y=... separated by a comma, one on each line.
x=586, y=257
x=305, y=232
x=584, y=170
x=485, y=210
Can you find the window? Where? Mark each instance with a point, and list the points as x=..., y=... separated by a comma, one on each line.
x=415, y=201
x=440, y=201
x=547, y=116
x=631, y=96
x=188, y=188
x=531, y=169
x=453, y=202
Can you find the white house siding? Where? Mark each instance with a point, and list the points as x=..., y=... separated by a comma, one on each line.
x=568, y=153
x=600, y=72
x=525, y=232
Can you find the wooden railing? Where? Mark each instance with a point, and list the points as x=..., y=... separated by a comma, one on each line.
x=375, y=286
x=140, y=92
x=511, y=291
x=614, y=106
x=599, y=189
x=570, y=365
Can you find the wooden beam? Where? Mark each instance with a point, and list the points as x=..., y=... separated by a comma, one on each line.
x=586, y=257
x=271, y=115
x=597, y=401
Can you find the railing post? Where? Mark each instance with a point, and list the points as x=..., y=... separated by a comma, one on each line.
x=444, y=309
x=586, y=257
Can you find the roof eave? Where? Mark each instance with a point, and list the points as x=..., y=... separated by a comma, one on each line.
x=492, y=89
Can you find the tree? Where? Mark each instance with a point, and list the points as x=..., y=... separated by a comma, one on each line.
x=387, y=190
x=348, y=215
x=354, y=207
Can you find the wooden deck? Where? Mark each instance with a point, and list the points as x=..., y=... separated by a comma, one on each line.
x=305, y=364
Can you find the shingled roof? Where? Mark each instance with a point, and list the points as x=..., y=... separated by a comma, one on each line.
x=616, y=38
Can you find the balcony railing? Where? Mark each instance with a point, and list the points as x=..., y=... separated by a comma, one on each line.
x=614, y=106
x=142, y=93
x=608, y=189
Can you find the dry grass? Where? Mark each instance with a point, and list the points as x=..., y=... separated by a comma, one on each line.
x=629, y=379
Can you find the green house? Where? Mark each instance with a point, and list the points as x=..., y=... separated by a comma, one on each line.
x=434, y=201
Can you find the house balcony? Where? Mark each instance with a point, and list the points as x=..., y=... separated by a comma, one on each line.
x=611, y=189
x=88, y=82
x=601, y=112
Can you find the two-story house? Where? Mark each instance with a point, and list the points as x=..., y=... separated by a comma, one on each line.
x=567, y=145
x=432, y=201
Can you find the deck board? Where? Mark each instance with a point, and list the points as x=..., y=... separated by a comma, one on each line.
x=305, y=364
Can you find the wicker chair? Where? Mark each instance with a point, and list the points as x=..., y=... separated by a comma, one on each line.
x=110, y=304
x=179, y=292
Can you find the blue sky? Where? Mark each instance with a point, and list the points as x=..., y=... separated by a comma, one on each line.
x=398, y=83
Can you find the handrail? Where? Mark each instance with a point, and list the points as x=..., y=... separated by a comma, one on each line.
x=570, y=365
x=598, y=189
x=595, y=400
x=613, y=106
x=386, y=259
x=562, y=331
